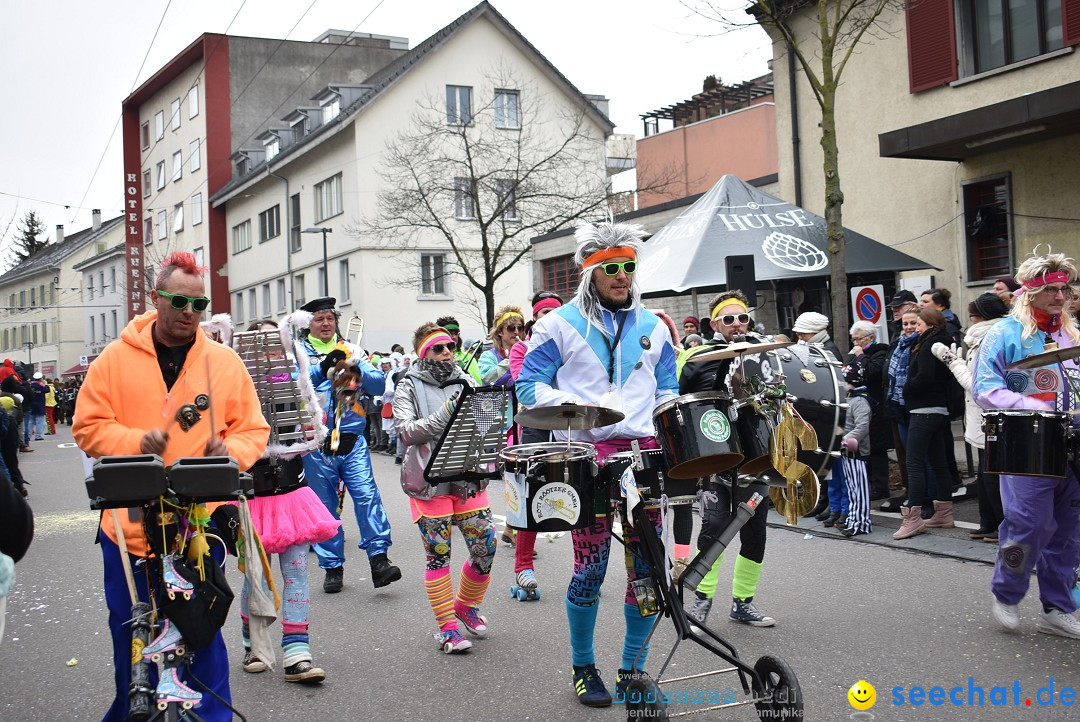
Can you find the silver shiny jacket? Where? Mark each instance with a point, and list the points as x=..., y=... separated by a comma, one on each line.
x=420, y=433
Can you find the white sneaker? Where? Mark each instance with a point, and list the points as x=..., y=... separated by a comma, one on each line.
x=1060, y=623
x=1006, y=615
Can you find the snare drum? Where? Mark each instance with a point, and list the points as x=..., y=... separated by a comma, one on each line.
x=1026, y=443
x=755, y=431
x=652, y=480
x=549, y=486
x=696, y=435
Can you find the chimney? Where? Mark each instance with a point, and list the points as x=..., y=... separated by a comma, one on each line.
x=96, y=216
x=59, y=234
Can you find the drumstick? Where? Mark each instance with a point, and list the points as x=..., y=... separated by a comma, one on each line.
x=210, y=402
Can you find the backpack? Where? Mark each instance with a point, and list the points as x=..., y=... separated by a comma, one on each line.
x=956, y=398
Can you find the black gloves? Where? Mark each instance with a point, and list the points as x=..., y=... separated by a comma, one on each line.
x=331, y=360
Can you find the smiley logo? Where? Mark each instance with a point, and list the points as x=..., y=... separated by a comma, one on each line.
x=862, y=695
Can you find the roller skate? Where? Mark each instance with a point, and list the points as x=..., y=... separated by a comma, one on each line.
x=452, y=642
x=527, y=588
x=174, y=583
x=168, y=641
x=170, y=689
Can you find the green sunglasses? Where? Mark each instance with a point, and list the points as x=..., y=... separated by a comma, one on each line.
x=613, y=268
x=198, y=305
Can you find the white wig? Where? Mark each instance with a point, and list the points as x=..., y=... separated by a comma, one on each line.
x=598, y=237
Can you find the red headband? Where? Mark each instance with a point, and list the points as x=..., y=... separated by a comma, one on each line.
x=545, y=303
x=1040, y=281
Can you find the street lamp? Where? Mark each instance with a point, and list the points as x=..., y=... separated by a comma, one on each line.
x=325, y=270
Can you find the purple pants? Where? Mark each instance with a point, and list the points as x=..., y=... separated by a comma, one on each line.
x=1041, y=528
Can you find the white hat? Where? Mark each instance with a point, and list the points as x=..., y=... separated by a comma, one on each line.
x=810, y=322
x=18, y=397
x=38, y=375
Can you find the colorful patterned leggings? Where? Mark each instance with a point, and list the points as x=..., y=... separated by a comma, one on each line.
x=294, y=606
x=479, y=531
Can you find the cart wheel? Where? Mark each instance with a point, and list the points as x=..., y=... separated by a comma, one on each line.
x=644, y=701
x=780, y=697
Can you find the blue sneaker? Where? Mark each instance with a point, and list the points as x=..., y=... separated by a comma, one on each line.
x=591, y=690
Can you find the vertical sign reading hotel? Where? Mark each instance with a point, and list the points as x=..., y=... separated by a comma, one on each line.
x=133, y=257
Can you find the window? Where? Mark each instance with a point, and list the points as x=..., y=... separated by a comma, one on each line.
x=253, y=309
x=343, y=280
x=41, y=291
x=281, y=300
x=507, y=113
x=161, y=175
x=147, y=184
x=199, y=256
x=238, y=307
x=178, y=220
x=432, y=274
x=273, y=147
x=269, y=224
x=92, y=335
x=162, y=225
x=45, y=331
x=987, y=228
x=266, y=299
x=159, y=125
x=174, y=110
x=294, y=219
x=7, y=342
x=101, y=286
x=464, y=204
x=560, y=275
x=195, y=151
x=328, y=198
x=458, y=105
x=504, y=192
x=22, y=295
x=298, y=290
x=193, y=101
x=112, y=278
x=114, y=335
x=196, y=209
x=241, y=237
x=148, y=230
x=145, y=135
x=33, y=296
x=1002, y=32
x=330, y=110
x=177, y=165
x=322, y=282
x=104, y=334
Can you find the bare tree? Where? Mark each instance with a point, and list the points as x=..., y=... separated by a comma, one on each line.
x=822, y=36
x=482, y=177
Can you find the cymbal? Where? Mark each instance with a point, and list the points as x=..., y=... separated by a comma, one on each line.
x=738, y=349
x=1046, y=358
x=574, y=417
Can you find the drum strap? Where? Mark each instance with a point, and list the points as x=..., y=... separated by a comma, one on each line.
x=612, y=345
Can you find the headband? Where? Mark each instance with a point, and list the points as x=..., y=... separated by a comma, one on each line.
x=1040, y=281
x=599, y=257
x=726, y=302
x=451, y=327
x=434, y=338
x=545, y=303
x=507, y=316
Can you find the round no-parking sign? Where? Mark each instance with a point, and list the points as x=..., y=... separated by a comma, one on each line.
x=868, y=305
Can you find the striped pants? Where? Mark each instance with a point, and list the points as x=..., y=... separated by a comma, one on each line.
x=858, y=489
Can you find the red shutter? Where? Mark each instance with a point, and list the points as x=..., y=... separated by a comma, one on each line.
x=931, y=37
x=1070, y=21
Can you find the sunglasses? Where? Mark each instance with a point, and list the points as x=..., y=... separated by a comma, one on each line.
x=613, y=268
x=729, y=320
x=514, y=327
x=440, y=347
x=198, y=305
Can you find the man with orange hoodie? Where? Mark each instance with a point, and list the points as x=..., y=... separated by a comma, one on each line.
x=132, y=393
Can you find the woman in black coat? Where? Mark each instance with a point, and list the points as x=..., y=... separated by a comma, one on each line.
x=926, y=396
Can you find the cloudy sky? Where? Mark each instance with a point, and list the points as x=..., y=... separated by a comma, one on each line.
x=68, y=64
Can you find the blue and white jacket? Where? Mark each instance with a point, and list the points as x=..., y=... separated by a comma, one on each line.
x=568, y=360
x=994, y=387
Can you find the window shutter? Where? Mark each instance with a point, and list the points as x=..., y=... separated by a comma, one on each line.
x=931, y=37
x=1070, y=21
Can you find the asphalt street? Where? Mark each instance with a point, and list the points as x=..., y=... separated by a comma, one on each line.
x=898, y=615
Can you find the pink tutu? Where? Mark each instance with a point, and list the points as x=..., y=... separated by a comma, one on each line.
x=294, y=518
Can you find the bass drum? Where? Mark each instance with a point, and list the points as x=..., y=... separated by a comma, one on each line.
x=813, y=377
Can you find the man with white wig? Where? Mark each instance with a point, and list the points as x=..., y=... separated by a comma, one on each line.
x=603, y=348
x=1041, y=528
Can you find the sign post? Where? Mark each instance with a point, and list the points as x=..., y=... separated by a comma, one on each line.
x=868, y=302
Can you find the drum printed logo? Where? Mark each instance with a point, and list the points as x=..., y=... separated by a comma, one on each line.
x=557, y=501
x=1045, y=380
x=715, y=425
x=1016, y=382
